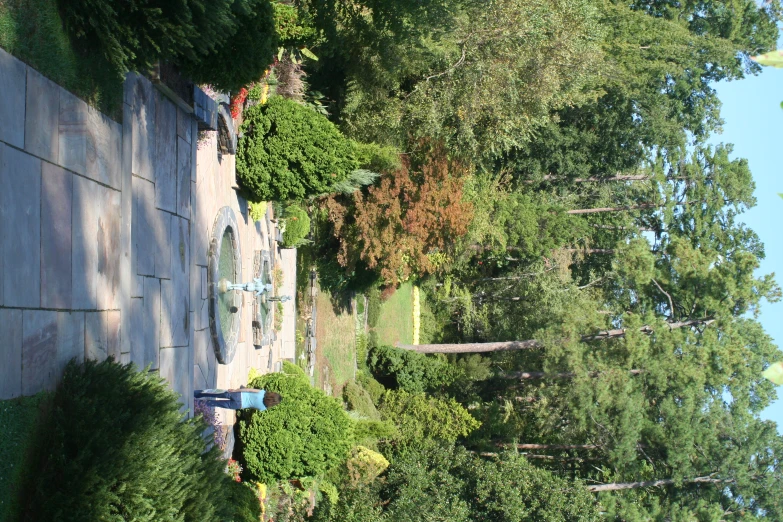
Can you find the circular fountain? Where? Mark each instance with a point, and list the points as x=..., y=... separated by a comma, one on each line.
x=225, y=268
x=262, y=307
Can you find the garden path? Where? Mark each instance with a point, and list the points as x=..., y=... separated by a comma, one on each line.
x=103, y=238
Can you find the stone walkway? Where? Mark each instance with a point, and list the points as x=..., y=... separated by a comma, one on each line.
x=104, y=233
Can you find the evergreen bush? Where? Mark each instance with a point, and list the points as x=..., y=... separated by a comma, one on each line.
x=419, y=417
x=243, y=56
x=410, y=371
x=307, y=434
x=297, y=226
x=116, y=447
x=291, y=152
x=360, y=401
x=134, y=34
x=373, y=387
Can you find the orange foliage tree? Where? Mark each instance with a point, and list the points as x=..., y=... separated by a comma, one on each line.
x=411, y=213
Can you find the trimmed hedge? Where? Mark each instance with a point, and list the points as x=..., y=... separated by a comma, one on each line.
x=307, y=434
x=410, y=371
x=116, y=447
x=290, y=152
x=297, y=226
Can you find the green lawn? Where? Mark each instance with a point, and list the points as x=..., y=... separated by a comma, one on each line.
x=33, y=31
x=395, y=321
x=18, y=418
x=335, y=360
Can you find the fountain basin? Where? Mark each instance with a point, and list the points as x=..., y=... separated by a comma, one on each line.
x=225, y=265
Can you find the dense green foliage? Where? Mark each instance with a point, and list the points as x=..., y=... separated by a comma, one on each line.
x=443, y=482
x=291, y=152
x=420, y=417
x=359, y=400
x=115, y=445
x=307, y=434
x=409, y=371
x=297, y=226
x=242, y=54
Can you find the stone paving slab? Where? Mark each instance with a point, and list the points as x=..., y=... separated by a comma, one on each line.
x=10, y=352
x=39, y=351
x=184, y=168
x=174, y=368
x=175, y=298
x=142, y=237
x=56, y=215
x=13, y=80
x=95, y=336
x=104, y=149
x=114, y=333
x=70, y=339
x=20, y=228
x=73, y=132
x=165, y=158
x=42, y=115
x=87, y=208
x=141, y=96
x=184, y=125
x=161, y=235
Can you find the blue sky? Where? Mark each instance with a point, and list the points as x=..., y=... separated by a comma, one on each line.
x=753, y=122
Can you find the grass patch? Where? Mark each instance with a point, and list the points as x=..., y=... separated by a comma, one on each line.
x=336, y=353
x=395, y=318
x=18, y=421
x=33, y=31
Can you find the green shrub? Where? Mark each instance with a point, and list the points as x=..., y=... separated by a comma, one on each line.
x=418, y=417
x=362, y=342
x=116, y=447
x=307, y=434
x=257, y=210
x=244, y=497
x=373, y=307
x=243, y=56
x=297, y=226
x=410, y=371
x=293, y=27
x=369, y=432
x=359, y=400
x=377, y=158
x=294, y=370
x=373, y=387
x=291, y=152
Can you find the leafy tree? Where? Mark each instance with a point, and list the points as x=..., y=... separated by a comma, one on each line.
x=297, y=226
x=410, y=214
x=409, y=371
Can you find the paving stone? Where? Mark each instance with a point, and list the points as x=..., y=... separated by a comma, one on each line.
x=13, y=76
x=125, y=358
x=152, y=320
x=73, y=132
x=39, y=351
x=138, y=350
x=143, y=102
x=95, y=336
x=127, y=262
x=165, y=158
x=137, y=286
x=199, y=381
x=194, y=152
x=87, y=207
x=104, y=149
x=161, y=231
x=184, y=125
x=204, y=356
x=70, y=339
x=42, y=116
x=10, y=350
x=175, y=312
x=20, y=228
x=143, y=243
x=56, y=212
x=3, y=219
x=114, y=333
x=108, y=250
x=174, y=368
x=184, y=168
x=202, y=314
x=204, y=284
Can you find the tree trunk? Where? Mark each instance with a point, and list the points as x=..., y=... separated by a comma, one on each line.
x=532, y=343
x=561, y=375
x=616, y=486
x=548, y=446
x=618, y=177
x=612, y=209
x=588, y=250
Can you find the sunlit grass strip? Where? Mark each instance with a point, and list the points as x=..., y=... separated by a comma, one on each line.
x=416, y=315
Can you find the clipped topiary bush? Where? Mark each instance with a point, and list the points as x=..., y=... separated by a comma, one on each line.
x=290, y=152
x=419, y=417
x=373, y=387
x=307, y=434
x=360, y=401
x=244, y=54
x=411, y=371
x=115, y=447
x=364, y=465
x=297, y=226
